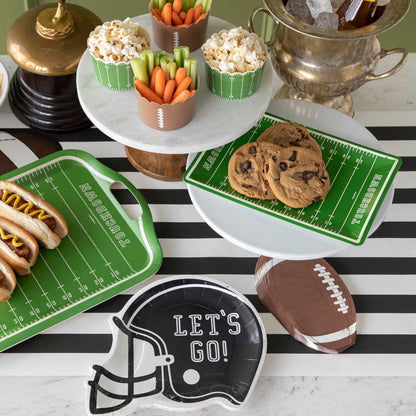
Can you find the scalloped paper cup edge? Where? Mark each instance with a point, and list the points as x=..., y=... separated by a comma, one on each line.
x=117, y=76
x=235, y=86
x=169, y=37
x=113, y=76
x=167, y=117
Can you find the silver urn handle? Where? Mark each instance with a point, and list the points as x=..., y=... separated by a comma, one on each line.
x=251, y=23
x=397, y=67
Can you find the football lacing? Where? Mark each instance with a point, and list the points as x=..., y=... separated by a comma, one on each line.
x=175, y=39
x=340, y=300
x=160, y=118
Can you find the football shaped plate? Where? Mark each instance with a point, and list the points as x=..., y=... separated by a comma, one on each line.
x=310, y=300
x=181, y=343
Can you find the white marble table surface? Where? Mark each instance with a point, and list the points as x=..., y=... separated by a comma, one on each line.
x=392, y=100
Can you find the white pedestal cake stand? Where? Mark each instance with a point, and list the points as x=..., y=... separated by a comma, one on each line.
x=163, y=154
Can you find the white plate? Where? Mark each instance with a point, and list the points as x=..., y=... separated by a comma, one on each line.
x=215, y=123
x=269, y=236
x=5, y=85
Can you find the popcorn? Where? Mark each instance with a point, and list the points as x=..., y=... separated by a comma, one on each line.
x=235, y=50
x=116, y=41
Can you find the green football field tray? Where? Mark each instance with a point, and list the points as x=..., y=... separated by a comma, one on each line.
x=104, y=253
x=360, y=179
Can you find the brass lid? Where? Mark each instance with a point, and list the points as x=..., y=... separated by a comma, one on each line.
x=50, y=39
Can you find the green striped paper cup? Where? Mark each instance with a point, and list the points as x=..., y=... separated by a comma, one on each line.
x=117, y=76
x=232, y=86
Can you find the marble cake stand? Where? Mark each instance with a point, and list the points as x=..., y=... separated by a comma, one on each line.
x=163, y=154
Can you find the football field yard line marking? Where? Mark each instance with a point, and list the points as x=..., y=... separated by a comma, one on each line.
x=85, y=260
x=12, y=310
x=76, y=278
x=45, y=174
x=362, y=185
x=60, y=285
x=43, y=292
x=99, y=224
x=345, y=187
x=221, y=160
x=29, y=302
x=81, y=225
x=57, y=165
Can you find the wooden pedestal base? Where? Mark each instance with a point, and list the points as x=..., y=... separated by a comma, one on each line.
x=164, y=167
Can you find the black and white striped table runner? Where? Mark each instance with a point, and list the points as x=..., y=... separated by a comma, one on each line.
x=381, y=276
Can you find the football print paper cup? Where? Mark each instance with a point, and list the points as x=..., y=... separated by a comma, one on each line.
x=236, y=86
x=169, y=37
x=117, y=75
x=167, y=116
x=113, y=76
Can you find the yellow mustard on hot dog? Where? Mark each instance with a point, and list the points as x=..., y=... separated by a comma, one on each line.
x=8, y=198
x=13, y=237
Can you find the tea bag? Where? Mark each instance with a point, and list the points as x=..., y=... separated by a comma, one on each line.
x=319, y=6
x=300, y=10
x=327, y=20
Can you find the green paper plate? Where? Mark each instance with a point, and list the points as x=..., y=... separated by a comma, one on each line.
x=104, y=253
x=360, y=178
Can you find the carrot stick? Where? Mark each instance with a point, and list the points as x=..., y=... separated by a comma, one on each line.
x=177, y=6
x=176, y=19
x=182, y=14
x=192, y=92
x=167, y=14
x=182, y=25
x=203, y=16
x=198, y=12
x=156, y=69
x=184, y=85
x=146, y=92
x=160, y=83
x=189, y=16
x=169, y=89
x=181, y=97
x=156, y=13
x=180, y=75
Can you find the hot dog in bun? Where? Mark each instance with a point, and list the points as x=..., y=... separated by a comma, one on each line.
x=17, y=247
x=7, y=281
x=33, y=213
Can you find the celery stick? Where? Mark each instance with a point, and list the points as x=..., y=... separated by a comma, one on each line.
x=180, y=53
x=172, y=69
x=157, y=55
x=148, y=57
x=187, y=4
x=161, y=4
x=206, y=6
x=187, y=66
x=190, y=67
x=164, y=61
x=139, y=69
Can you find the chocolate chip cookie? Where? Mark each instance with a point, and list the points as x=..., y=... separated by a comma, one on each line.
x=246, y=170
x=297, y=176
x=289, y=134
